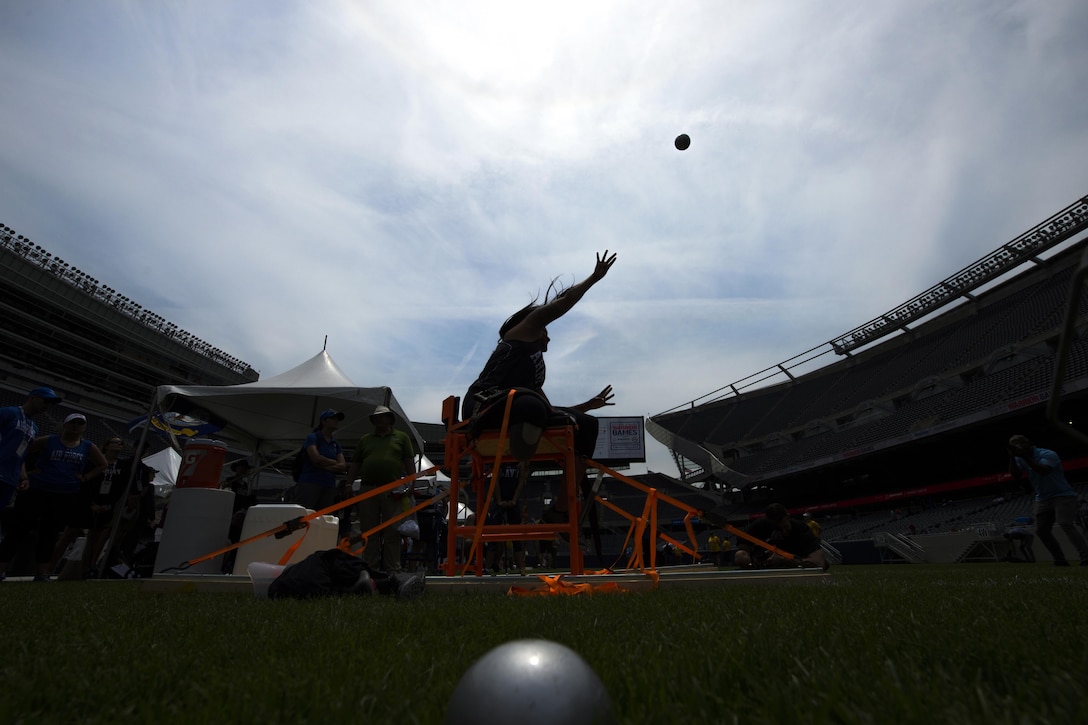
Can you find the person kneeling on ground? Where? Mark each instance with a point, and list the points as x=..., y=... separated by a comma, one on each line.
x=784, y=532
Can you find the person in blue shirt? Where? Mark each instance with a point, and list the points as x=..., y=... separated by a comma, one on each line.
x=17, y=432
x=317, y=484
x=1055, y=499
x=58, y=466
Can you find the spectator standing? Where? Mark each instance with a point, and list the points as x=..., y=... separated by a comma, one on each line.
x=813, y=525
x=714, y=543
x=17, y=432
x=323, y=459
x=60, y=465
x=1055, y=499
x=138, y=519
x=380, y=458
x=241, y=482
x=103, y=493
x=727, y=551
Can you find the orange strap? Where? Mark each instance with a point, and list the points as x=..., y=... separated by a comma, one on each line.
x=294, y=524
x=481, y=516
x=554, y=586
x=294, y=547
x=761, y=543
x=362, y=538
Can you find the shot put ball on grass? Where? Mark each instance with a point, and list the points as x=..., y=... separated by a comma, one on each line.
x=530, y=682
x=682, y=141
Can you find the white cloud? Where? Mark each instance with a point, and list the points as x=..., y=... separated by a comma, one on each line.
x=401, y=177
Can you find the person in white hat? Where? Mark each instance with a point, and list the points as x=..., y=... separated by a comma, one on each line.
x=380, y=458
x=52, y=499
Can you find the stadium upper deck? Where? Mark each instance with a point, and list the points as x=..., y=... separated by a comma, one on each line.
x=977, y=356
x=100, y=349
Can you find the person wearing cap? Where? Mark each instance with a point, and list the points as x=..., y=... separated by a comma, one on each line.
x=317, y=486
x=241, y=483
x=813, y=525
x=380, y=458
x=239, y=477
x=1055, y=499
x=17, y=432
x=60, y=465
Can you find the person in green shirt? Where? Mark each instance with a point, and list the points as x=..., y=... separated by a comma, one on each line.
x=380, y=458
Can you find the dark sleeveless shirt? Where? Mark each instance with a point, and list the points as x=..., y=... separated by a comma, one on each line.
x=513, y=364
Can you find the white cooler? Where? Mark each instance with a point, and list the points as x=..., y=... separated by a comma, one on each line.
x=323, y=533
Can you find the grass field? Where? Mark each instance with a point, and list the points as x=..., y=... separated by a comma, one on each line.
x=1000, y=643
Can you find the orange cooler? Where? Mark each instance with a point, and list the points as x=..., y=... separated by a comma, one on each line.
x=202, y=464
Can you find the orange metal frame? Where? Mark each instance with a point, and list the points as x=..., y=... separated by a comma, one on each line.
x=648, y=522
x=488, y=451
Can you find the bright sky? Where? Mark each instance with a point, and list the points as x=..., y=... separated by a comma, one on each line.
x=401, y=176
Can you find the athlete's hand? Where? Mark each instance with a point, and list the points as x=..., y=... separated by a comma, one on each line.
x=604, y=263
x=601, y=399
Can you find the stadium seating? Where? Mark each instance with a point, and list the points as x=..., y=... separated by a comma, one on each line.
x=973, y=361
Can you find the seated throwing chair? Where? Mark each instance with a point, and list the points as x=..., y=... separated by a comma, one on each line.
x=487, y=450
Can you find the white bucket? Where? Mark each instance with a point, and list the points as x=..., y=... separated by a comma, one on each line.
x=262, y=574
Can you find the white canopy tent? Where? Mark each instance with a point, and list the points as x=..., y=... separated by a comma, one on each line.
x=278, y=413
x=275, y=415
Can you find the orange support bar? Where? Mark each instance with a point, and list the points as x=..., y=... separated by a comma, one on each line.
x=557, y=445
x=304, y=521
